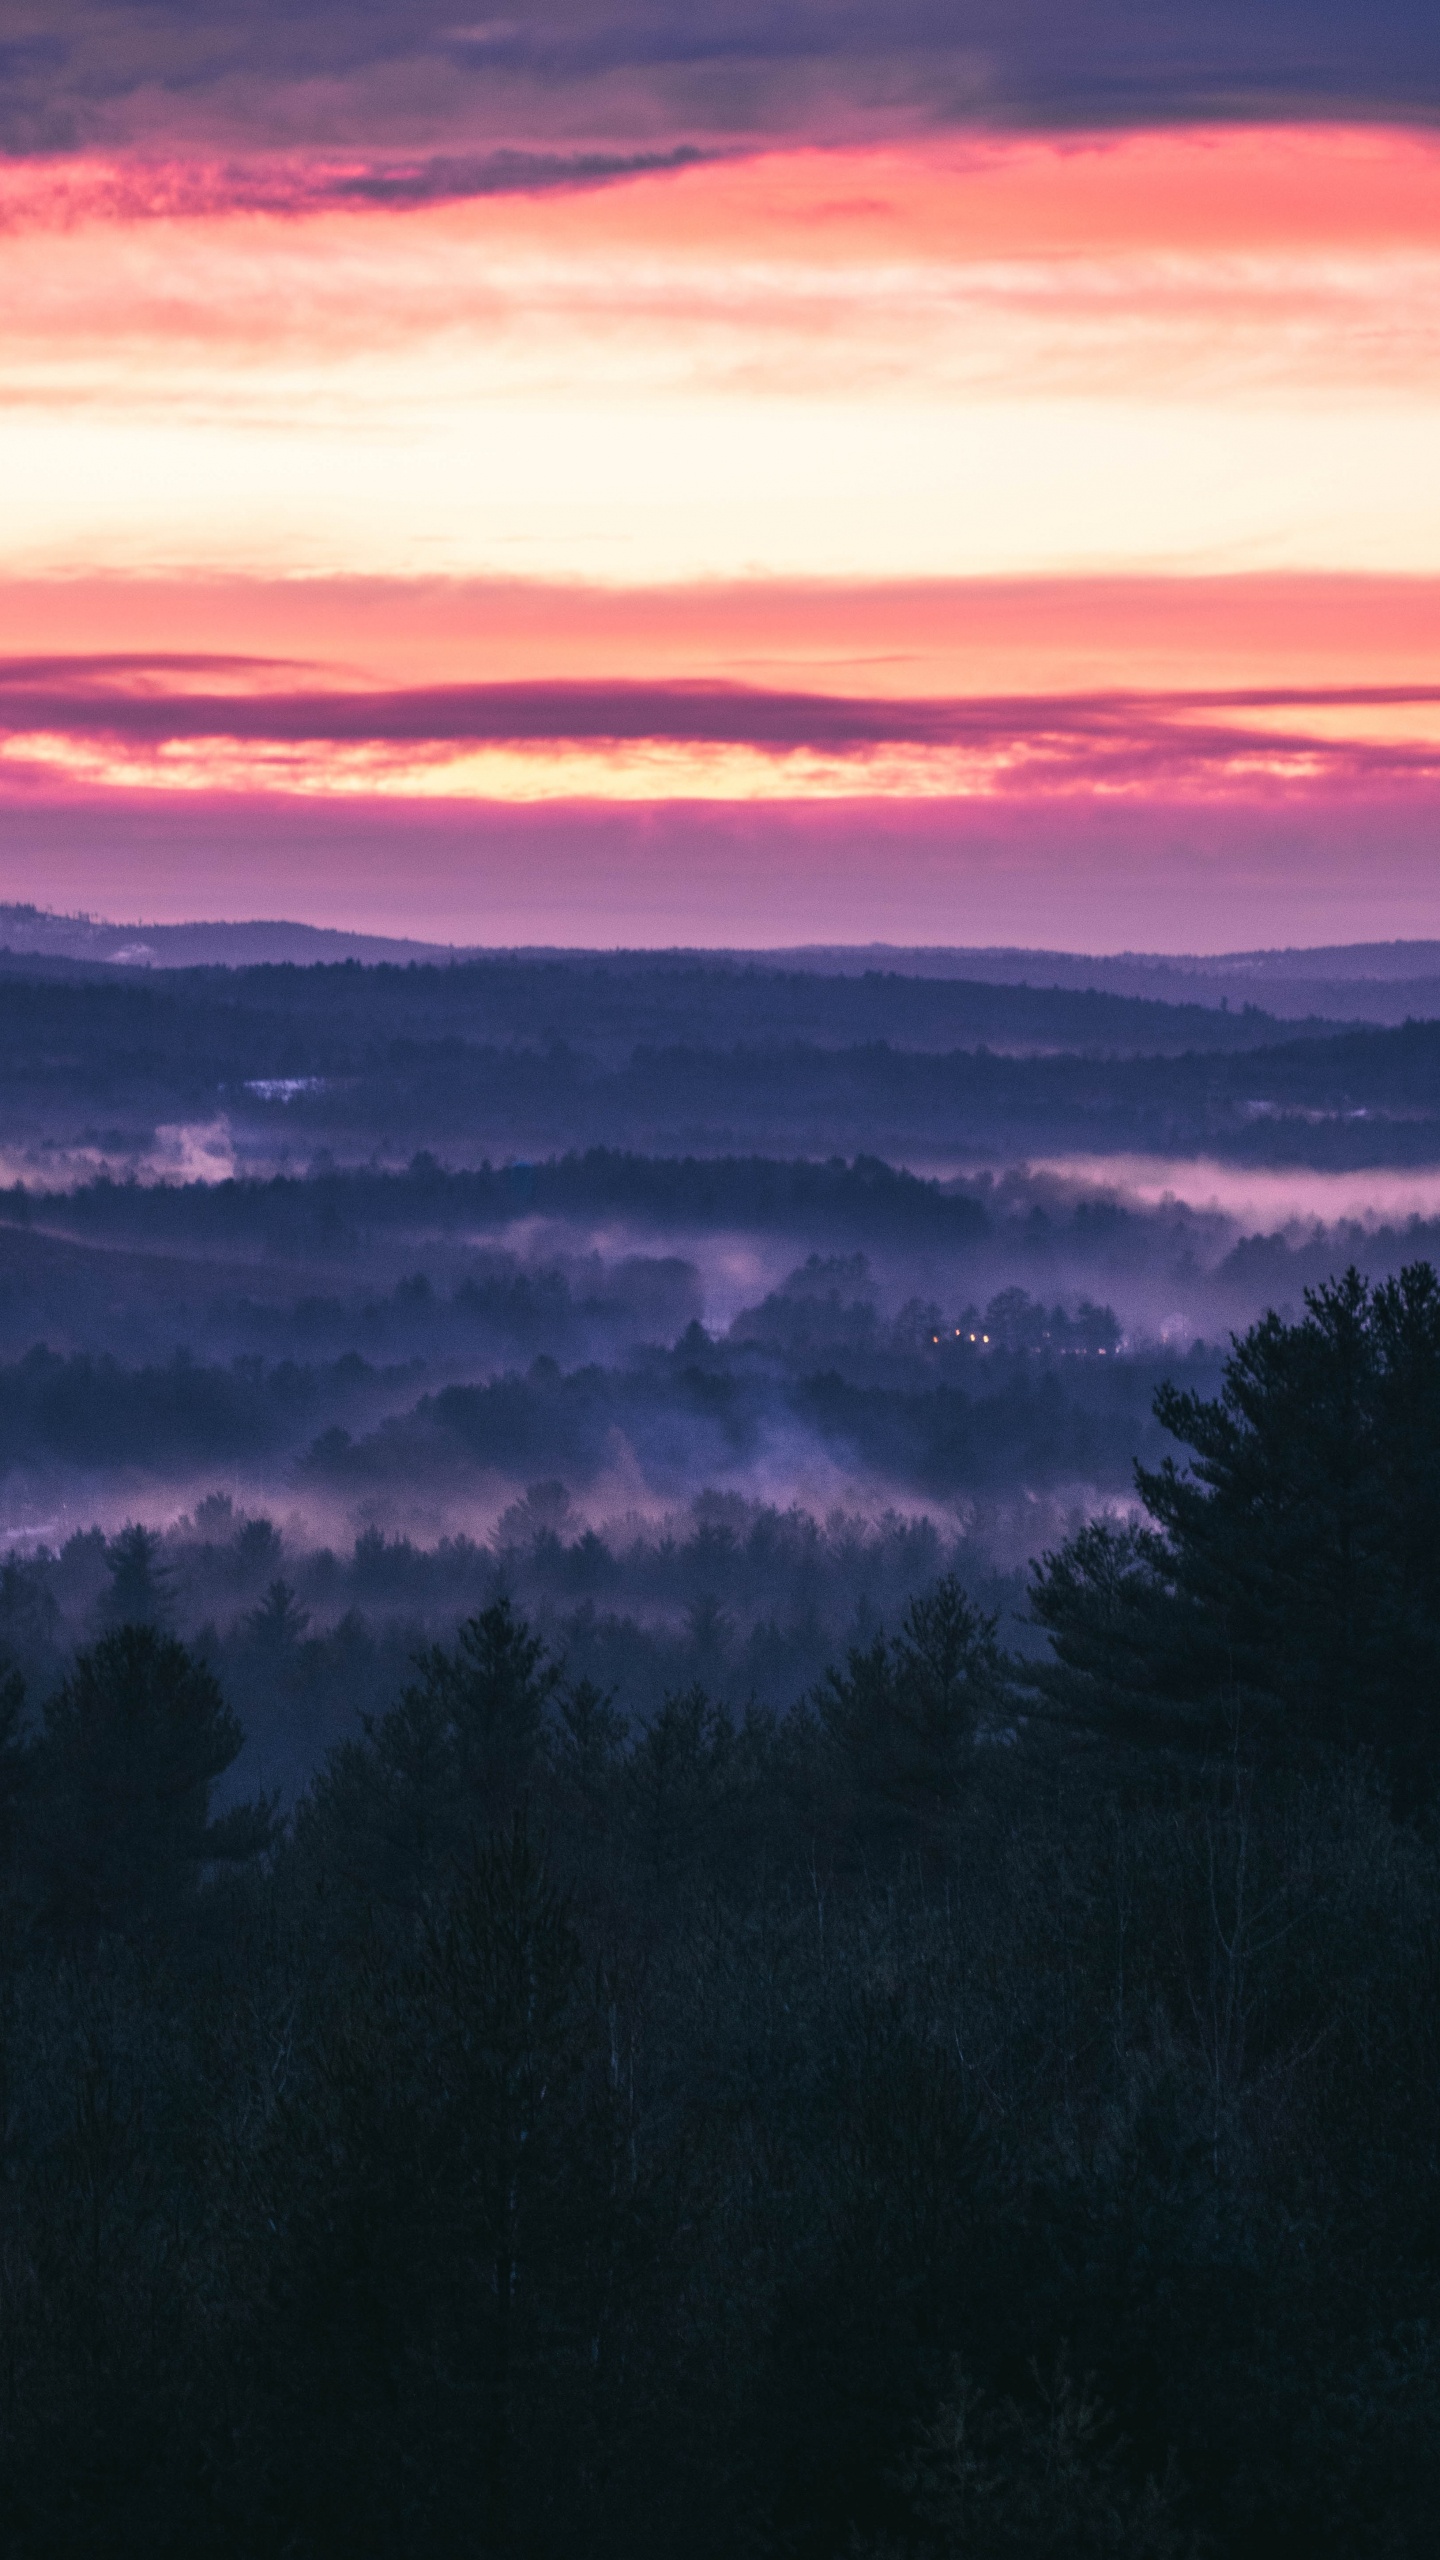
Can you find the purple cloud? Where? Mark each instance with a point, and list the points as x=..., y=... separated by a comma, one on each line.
x=446, y=104
x=1112, y=736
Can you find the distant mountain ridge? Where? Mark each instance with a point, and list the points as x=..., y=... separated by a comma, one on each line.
x=1378, y=982
x=33, y=930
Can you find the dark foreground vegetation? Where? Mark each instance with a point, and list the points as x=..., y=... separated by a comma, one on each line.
x=744, y=1600
x=990, y=2108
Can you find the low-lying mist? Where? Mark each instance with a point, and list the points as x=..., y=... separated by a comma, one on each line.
x=408, y=1351
x=285, y=1279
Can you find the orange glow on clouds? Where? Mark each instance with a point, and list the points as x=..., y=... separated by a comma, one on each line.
x=929, y=636
x=655, y=771
x=1092, y=447
x=197, y=728
x=352, y=688
x=1216, y=350
x=1244, y=189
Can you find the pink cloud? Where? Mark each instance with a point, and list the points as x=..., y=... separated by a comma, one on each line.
x=1111, y=741
x=924, y=637
x=1203, y=191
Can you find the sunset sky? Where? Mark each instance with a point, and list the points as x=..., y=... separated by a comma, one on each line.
x=644, y=474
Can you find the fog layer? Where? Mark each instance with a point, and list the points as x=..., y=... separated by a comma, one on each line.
x=382, y=1289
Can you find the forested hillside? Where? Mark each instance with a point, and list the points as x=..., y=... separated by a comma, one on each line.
x=535, y=1057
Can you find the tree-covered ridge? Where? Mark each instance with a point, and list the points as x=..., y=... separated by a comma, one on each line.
x=584, y=1258
x=502, y=1058
x=607, y=1004
x=851, y=1202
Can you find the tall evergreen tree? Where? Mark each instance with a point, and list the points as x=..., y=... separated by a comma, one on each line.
x=12, y=1764
x=451, y=1759
x=140, y=1586
x=902, y=1717
x=120, y=1786
x=1287, y=1588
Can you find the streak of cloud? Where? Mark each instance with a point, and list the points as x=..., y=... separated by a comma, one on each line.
x=295, y=183
x=1111, y=739
x=930, y=639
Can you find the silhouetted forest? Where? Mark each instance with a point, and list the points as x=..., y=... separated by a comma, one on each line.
x=986, y=2102
x=1379, y=982
x=718, y=1786
x=533, y=1057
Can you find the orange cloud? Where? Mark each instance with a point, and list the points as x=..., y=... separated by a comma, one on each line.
x=965, y=358
x=916, y=637
x=1199, y=191
x=197, y=724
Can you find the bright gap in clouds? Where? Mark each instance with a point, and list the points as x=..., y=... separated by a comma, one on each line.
x=1155, y=353
x=688, y=490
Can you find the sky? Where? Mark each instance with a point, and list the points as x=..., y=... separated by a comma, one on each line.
x=750, y=475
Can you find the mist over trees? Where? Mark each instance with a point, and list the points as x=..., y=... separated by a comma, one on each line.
x=432, y=1340
x=722, y=1846
x=748, y=1601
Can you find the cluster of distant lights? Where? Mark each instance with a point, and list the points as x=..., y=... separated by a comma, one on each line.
x=1079, y=1350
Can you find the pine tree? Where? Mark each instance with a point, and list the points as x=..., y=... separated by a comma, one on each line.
x=120, y=1786
x=902, y=1718
x=451, y=1760
x=12, y=1765
x=140, y=1587
x=1286, y=1592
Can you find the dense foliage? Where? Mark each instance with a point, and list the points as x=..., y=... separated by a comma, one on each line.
x=1287, y=1595
x=687, y=1054
x=910, y=2124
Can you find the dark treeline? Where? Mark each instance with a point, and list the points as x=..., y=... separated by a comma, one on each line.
x=747, y=1600
x=529, y=1057
x=288, y=1277
x=609, y=1005
x=95, y=1412
x=990, y=2107
x=862, y=1203
x=410, y=1350
x=685, y=1413
x=323, y=1209
x=706, y=1411
x=1374, y=982
x=355, y=1332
